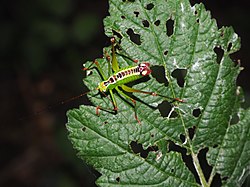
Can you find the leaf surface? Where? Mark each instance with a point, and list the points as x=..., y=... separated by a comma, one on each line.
x=177, y=37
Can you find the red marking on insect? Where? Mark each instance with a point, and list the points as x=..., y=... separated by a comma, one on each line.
x=154, y=94
x=179, y=100
x=97, y=110
x=137, y=119
x=144, y=69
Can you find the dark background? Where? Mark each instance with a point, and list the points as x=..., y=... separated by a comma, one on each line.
x=43, y=44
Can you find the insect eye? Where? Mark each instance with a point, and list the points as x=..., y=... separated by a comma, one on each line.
x=141, y=69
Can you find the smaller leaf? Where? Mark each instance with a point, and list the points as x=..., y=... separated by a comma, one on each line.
x=231, y=159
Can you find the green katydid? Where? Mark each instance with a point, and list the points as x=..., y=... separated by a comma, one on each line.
x=122, y=76
x=115, y=81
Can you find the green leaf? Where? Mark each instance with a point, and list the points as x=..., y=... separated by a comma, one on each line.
x=231, y=159
x=107, y=148
x=177, y=37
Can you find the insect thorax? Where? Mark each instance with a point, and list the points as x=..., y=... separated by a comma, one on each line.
x=124, y=76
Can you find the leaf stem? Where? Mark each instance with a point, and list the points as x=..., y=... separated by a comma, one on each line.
x=195, y=159
x=199, y=171
x=211, y=177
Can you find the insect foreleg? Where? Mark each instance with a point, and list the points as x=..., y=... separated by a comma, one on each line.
x=95, y=64
x=113, y=100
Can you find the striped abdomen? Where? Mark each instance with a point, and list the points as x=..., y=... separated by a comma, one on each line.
x=124, y=76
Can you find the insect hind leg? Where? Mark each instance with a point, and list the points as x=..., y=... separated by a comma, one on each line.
x=132, y=90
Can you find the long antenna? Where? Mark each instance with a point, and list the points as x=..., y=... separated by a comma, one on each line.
x=53, y=106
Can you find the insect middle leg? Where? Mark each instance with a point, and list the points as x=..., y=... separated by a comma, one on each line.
x=131, y=99
x=113, y=101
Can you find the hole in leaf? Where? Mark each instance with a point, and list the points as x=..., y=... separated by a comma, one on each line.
x=183, y=138
x=137, y=148
x=123, y=17
x=175, y=148
x=152, y=135
x=215, y=146
x=150, y=6
x=145, y=23
x=164, y=108
x=117, y=179
x=167, y=110
x=219, y=52
x=117, y=34
x=173, y=114
x=235, y=119
x=225, y=178
x=105, y=122
x=229, y=47
x=196, y=112
x=179, y=74
x=166, y=52
x=134, y=37
x=198, y=20
x=157, y=22
x=191, y=132
x=170, y=27
x=195, y=12
x=186, y=158
x=235, y=57
x=206, y=168
x=136, y=13
x=153, y=148
x=158, y=72
x=84, y=129
x=172, y=170
x=216, y=180
x=88, y=73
